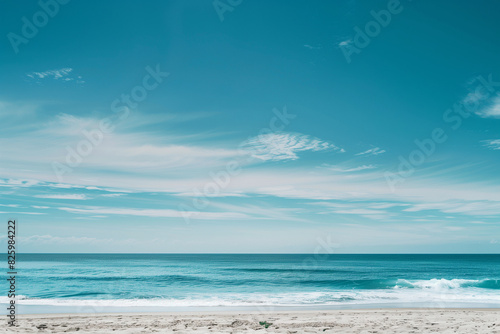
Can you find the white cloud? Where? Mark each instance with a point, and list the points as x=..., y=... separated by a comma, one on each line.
x=346, y=42
x=385, y=205
x=113, y=195
x=472, y=208
x=220, y=194
x=13, y=183
x=491, y=108
x=480, y=101
x=142, y=161
x=130, y=151
x=157, y=213
x=24, y=213
x=63, y=196
x=56, y=74
x=63, y=74
x=494, y=144
x=352, y=169
x=372, y=151
x=65, y=186
x=284, y=146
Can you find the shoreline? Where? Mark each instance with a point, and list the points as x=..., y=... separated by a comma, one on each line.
x=33, y=309
x=380, y=320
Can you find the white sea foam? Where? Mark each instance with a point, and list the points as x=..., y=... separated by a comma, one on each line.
x=433, y=291
x=439, y=284
x=333, y=298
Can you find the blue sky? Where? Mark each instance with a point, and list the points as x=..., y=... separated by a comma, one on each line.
x=251, y=126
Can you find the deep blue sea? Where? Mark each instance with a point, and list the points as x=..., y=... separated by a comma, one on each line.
x=171, y=282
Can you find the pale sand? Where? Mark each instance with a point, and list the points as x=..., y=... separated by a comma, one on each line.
x=339, y=321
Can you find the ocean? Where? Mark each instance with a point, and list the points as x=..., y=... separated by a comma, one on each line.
x=194, y=282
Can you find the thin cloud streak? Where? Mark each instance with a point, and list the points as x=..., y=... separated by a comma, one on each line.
x=493, y=144
x=372, y=151
x=157, y=213
x=63, y=74
x=63, y=196
x=285, y=146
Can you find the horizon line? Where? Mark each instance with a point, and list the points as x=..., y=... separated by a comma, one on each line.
x=272, y=253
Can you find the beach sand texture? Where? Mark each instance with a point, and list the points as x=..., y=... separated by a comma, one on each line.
x=338, y=321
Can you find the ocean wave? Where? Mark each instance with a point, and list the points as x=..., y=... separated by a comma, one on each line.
x=445, y=284
x=376, y=284
x=334, y=293
x=432, y=292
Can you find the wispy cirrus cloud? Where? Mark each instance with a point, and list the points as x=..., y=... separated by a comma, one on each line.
x=480, y=100
x=113, y=195
x=349, y=169
x=128, y=149
x=285, y=146
x=24, y=213
x=11, y=182
x=173, y=165
x=63, y=196
x=494, y=144
x=485, y=107
x=345, y=42
x=63, y=74
x=473, y=208
x=372, y=151
x=158, y=213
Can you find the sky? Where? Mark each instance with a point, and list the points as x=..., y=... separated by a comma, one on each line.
x=250, y=126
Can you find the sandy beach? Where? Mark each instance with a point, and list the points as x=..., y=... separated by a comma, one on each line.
x=338, y=321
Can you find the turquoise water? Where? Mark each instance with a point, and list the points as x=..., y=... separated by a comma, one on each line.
x=104, y=282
